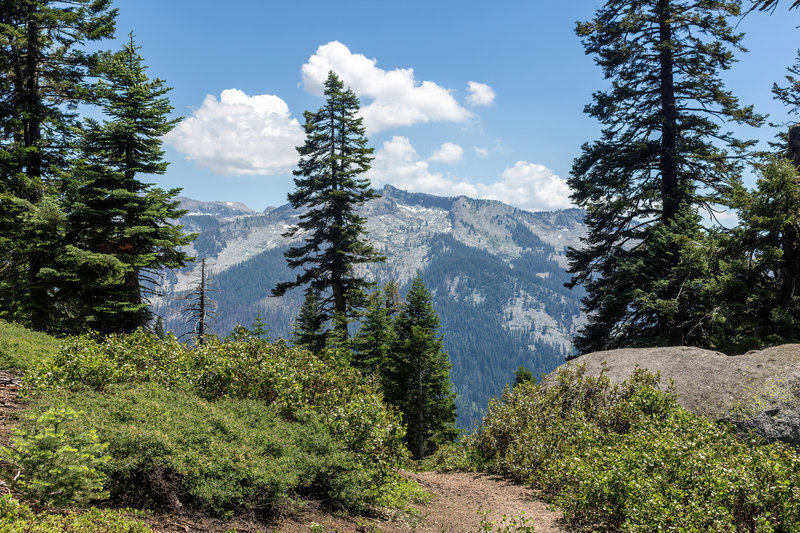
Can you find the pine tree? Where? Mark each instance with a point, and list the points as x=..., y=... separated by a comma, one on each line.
x=759, y=286
x=373, y=341
x=309, y=326
x=329, y=183
x=113, y=212
x=660, y=159
x=766, y=5
x=42, y=67
x=417, y=375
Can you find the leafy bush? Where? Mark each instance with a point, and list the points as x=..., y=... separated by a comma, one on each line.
x=175, y=448
x=291, y=379
x=21, y=348
x=628, y=457
x=59, y=462
x=85, y=363
x=16, y=517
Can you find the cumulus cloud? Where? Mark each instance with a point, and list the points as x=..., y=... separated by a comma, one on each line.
x=447, y=153
x=530, y=186
x=397, y=98
x=479, y=94
x=525, y=185
x=240, y=134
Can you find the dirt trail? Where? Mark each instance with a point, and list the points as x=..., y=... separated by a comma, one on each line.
x=452, y=509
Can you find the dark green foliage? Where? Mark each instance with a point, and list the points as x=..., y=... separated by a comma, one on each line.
x=628, y=458
x=375, y=337
x=329, y=183
x=294, y=383
x=309, y=326
x=120, y=229
x=42, y=67
x=523, y=375
x=224, y=456
x=662, y=156
x=758, y=265
x=417, y=375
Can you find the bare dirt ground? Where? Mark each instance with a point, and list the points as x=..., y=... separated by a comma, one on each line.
x=456, y=499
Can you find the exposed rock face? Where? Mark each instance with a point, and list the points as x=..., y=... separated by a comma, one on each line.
x=496, y=274
x=757, y=391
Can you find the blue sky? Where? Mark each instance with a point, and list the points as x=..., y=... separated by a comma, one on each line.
x=477, y=98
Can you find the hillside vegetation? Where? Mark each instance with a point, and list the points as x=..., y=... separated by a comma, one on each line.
x=237, y=425
x=629, y=458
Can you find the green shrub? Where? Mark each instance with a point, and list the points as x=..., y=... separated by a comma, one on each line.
x=16, y=517
x=292, y=380
x=21, y=348
x=59, y=461
x=172, y=447
x=628, y=457
x=85, y=363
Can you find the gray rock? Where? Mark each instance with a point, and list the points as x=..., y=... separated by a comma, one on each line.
x=757, y=391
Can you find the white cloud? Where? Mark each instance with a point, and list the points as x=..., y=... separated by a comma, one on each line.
x=525, y=185
x=479, y=94
x=481, y=151
x=240, y=134
x=529, y=186
x=398, y=163
x=397, y=98
x=447, y=153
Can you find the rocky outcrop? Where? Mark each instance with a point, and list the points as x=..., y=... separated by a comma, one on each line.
x=758, y=391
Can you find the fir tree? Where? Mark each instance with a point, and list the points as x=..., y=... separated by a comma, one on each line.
x=759, y=271
x=309, y=326
x=661, y=157
x=767, y=5
x=42, y=67
x=329, y=183
x=372, y=343
x=113, y=212
x=417, y=375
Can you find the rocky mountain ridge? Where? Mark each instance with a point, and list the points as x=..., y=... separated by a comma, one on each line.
x=496, y=272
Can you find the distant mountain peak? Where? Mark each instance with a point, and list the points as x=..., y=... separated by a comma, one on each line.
x=221, y=209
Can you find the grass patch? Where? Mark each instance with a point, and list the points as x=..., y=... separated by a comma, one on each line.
x=628, y=457
x=21, y=348
x=16, y=517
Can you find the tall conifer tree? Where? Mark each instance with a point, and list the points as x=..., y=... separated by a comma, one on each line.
x=374, y=339
x=116, y=220
x=417, y=374
x=662, y=156
x=42, y=67
x=329, y=182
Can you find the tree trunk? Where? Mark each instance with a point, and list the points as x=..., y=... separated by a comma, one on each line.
x=670, y=191
x=420, y=416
